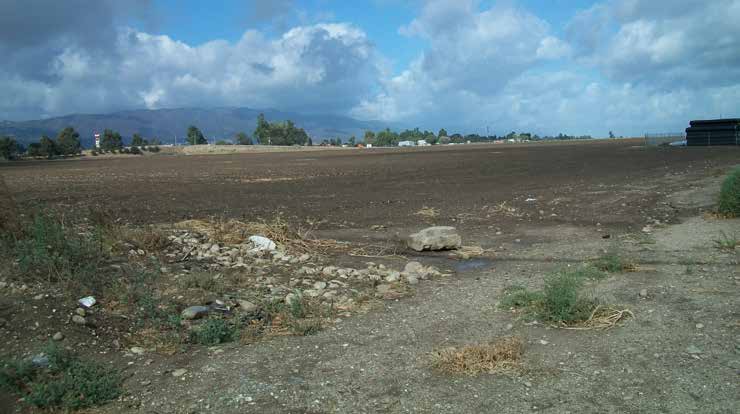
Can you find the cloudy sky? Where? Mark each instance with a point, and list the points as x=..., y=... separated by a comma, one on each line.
x=546, y=66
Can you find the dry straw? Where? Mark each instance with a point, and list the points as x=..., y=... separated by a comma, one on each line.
x=498, y=356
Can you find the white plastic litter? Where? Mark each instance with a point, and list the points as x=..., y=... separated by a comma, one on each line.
x=262, y=243
x=529, y=200
x=87, y=301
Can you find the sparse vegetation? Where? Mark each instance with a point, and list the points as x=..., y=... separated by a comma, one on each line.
x=503, y=355
x=66, y=382
x=48, y=250
x=563, y=302
x=729, y=196
x=727, y=241
x=213, y=332
x=613, y=263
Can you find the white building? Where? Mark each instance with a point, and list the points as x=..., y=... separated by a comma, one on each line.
x=406, y=144
x=422, y=143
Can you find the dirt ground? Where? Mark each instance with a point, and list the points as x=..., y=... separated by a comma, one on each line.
x=534, y=208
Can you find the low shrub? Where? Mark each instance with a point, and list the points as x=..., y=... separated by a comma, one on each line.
x=562, y=301
x=66, y=382
x=48, y=249
x=559, y=301
x=729, y=195
x=213, y=332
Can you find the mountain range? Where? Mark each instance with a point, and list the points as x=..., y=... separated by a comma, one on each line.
x=169, y=125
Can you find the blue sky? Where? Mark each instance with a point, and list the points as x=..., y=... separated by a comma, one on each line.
x=544, y=66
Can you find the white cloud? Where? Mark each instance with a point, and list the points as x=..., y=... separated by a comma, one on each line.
x=320, y=68
x=629, y=66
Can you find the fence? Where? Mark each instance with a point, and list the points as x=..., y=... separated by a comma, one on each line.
x=654, y=140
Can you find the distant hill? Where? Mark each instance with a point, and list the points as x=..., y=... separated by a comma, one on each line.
x=166, y=124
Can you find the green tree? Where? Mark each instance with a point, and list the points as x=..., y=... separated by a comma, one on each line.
x=137, y=141
x=243, y=139
x=310, y=142
x=111, y=141
x=262, y=132
x=442, y=133
x=351, y=141
x=8, y=148
x=68, y=142
x=387, y=138
x=195, y=137
x=47, y=147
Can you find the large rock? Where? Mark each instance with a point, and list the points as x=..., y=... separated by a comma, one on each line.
x=435, y=238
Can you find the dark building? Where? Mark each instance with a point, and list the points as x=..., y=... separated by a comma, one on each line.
x=713, y=132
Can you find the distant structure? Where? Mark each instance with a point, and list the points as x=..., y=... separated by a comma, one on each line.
x=97, y=140
x=406, y=144
x=713, y=132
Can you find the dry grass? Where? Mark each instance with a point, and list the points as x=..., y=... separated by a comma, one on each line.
x=503, y=209
x=601, y=318
x=502, y=355
x=147, y=238
x=428, y=212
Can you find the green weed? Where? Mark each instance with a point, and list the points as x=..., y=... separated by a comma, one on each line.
x=729, y=195
x=68, y=382
x=49, y=250
x=727, y=241
x=613, y=263
x=213, y=332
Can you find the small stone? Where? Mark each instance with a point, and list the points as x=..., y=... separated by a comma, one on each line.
x=319, y=285
x=699, y=326
x=509, y=327
x=412, y=280
x=643, y=293
x=194, y=312
x=543, y=342
x=393, y=277
x=80, y=311
x=383, y=289
x=527, y=384
x=58, y=336
x=246, y=306
x=179, y=372
x=39, y=296
x=137, y=350
x=79, y=320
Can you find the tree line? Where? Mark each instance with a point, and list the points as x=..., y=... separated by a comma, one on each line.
x=67, y=143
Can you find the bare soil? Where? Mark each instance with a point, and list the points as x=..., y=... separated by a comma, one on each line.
x=532, y=208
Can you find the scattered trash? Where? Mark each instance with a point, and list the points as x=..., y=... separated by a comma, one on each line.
x=40, y=361
x=87, y=301
x=262, y=243
x=530, y=200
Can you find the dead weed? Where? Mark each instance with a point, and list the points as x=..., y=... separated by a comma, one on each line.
x=503, y=355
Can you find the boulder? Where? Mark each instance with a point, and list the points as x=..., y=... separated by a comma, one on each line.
x=435, y=238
